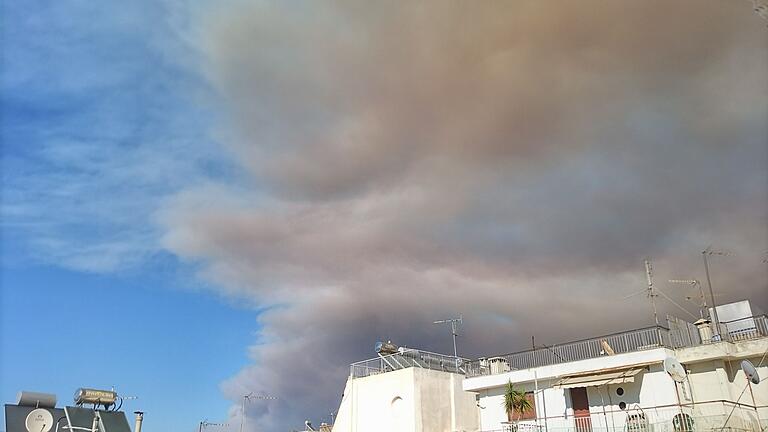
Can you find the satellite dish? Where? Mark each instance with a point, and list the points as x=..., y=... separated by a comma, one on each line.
x=750, y=371
x=39, y=420
x=674, y=369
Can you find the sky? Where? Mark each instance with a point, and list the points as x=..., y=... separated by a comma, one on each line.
x=201, y=200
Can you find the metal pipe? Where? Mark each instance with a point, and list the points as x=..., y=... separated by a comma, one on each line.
x=242, y=411
x=715, y=320
x=139, y=420
x=95, y=424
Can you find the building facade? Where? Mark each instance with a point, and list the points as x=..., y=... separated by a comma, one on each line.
x=679, y=377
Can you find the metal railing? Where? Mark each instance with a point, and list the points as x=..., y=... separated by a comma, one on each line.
x=703, y=416
x=634, y=340
x=410, y=358
x=678, y=335
x=745, y=329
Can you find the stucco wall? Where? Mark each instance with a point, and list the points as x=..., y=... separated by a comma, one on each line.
x=714, y=374
x=407, y=400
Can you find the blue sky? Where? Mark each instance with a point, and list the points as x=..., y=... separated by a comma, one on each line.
x=149, y=336
x=102, y=118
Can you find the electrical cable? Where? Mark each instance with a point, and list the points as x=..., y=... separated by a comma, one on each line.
x=742, y=394
x=674, y=303
x=58, y=421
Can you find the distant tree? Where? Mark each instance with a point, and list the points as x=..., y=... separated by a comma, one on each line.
x=515, y=401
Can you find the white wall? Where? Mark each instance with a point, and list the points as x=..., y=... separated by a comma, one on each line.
x=407, y=400
x=563, y=369
x=714, y=375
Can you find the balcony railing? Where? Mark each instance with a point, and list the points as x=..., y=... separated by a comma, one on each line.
x=679, y=335
x=634, y=340
x=715, y=416
x=745, y=329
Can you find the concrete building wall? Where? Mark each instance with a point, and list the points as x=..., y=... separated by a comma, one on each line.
x=714, y=376
x=407, y=400
x=465, y=407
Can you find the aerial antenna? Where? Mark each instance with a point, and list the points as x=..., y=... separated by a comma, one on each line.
x=455, y=322
x=248, y=398
x=702, y=297
x=205, y=423
x=651, y=292
x=704, y=254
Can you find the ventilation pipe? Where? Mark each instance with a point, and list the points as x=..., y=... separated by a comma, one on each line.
x=139, y=419
x=705, y=330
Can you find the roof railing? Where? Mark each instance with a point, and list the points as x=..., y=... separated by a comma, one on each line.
x=408, y=358
x=616, y=343
x=676, y=336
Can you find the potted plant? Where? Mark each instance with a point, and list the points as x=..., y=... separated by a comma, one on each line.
x=515, y=401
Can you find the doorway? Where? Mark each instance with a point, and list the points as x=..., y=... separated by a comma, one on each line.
x=580, y=404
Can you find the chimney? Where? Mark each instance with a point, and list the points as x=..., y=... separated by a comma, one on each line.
x=139, y=419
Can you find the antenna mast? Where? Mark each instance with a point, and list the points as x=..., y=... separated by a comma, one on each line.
x=247, y=398
x=455, y=322
x=651, y=292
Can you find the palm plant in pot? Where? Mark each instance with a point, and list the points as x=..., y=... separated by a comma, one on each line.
x=515, y=402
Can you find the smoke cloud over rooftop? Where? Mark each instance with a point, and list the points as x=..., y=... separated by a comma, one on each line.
x=511, y=161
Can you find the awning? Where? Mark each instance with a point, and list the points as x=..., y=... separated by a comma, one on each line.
x=614, y=377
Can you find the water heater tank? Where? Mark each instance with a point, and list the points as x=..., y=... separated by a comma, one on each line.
x=95, y=397
x=385, y=348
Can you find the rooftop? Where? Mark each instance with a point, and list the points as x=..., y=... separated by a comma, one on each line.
x=677, y=334
x=407, y=358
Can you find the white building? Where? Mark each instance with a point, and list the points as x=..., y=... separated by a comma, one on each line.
x=616, y=382
x=415, y=391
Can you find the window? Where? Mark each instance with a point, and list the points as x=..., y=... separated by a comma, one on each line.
x=620, y=391
x=528, y=414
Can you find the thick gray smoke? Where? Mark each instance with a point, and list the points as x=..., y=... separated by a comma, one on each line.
x=510, y=161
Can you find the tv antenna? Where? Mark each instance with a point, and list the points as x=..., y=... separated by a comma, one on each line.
x=455, y=322
x=704, y=254
x=248, y=398
x=702, y=297
x=205, y=423
x=651, y=292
